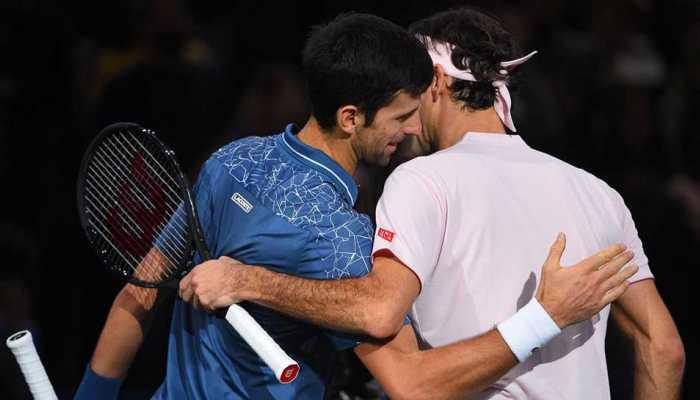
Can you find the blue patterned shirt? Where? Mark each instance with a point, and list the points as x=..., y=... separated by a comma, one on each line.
x=271, y=201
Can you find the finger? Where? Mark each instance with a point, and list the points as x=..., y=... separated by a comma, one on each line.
x=615, y=293
x=204, y=304
x=195, y=302
x=185, y=282
x=186, y=290
x=597, y=260
x=616, y=264
x=556, y=250
x=186, y=294
x=620, y=277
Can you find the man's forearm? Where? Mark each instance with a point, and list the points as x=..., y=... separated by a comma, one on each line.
x=120, y=340
x=659, y=352
x=449, y=372
x=462, y=369
x=349, y=304
x=375, y=304
x=123, y=332
x=658, y=372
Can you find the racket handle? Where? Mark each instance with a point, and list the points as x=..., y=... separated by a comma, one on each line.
x=285, y=369
x=22, y=347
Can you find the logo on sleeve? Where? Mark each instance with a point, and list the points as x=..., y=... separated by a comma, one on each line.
x=242, y=202
x=385, y=234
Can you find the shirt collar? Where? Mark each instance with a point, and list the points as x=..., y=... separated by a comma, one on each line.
x=496, y=139
x=319, y=161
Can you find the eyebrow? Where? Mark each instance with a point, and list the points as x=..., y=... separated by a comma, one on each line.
x=406, y=115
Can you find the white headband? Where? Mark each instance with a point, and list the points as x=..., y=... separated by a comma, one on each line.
x=441, y=53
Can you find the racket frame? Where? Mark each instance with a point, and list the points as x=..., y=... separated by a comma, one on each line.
x=196, y=238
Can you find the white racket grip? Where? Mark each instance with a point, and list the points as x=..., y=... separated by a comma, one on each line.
x=22, y=347
x=286, y=369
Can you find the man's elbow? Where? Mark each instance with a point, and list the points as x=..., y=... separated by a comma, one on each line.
x=415, y=390
x=136, y=300
x=407, y=388
x=671, y=350
x=409, y=394
x=383, y=322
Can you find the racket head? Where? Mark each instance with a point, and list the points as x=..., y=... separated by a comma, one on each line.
x=135, y=207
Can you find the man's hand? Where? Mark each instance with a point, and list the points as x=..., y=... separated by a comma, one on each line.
x=576, y=293
x=211, y=285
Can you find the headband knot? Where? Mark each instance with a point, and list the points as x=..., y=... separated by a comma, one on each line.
x=441, y=53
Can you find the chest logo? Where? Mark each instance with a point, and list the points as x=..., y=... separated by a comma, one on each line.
x=242, y=202
x=385, y=234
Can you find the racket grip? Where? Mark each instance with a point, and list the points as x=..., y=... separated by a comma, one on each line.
x=22, y=346
x=285, y=369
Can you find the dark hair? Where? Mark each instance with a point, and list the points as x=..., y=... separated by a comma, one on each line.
x=362, y=60
x=478, y=37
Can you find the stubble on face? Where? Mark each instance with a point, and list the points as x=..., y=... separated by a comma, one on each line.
x=381, y=139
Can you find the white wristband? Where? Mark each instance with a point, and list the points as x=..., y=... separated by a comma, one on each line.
x=528, y=330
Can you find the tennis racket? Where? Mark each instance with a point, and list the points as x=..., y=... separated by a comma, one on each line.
x=137, y=212
x=22, y=346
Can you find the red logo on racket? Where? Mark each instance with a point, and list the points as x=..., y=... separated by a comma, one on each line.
x=385, y=234
x=141, y=207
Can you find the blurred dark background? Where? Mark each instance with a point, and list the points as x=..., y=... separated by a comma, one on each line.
x=615, y=90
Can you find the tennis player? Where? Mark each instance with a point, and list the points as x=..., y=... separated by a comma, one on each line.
x=459, y=237
x=284, y=201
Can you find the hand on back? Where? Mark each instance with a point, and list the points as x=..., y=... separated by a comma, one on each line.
x=575, y=293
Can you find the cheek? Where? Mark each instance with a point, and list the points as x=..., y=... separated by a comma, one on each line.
x=392, y=130
x=388, y=135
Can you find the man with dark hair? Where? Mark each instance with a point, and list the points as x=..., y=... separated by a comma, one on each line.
x=459, y=234
x=284, y=201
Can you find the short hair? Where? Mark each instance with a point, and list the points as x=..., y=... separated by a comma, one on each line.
x=362, y=60
x=479, y=38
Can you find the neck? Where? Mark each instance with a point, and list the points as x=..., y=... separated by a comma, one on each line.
x=334, y=144
x=455, y=122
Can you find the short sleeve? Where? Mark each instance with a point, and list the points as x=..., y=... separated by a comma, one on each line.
x=630, y=238
x=411, y=221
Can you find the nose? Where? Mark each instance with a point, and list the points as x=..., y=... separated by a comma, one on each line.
x=413, y=125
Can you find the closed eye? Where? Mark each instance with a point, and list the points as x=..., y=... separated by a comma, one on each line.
x=406, y=116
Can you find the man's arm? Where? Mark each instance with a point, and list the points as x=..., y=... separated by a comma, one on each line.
x=469, y=366
x=453, y=371
x=377, y=303
x=659, y=355
x=122, y=335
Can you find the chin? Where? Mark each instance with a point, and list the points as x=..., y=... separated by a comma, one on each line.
x=380, y=160
x=383, y=161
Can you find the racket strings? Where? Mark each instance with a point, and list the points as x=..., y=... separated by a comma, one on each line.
x=134, y=246
x=168, y=186
x=139, y=246
x=130, y=191
x=125, y=155
x=173, y=181
x=140, y=197
x=149, y=268
x=146, y=182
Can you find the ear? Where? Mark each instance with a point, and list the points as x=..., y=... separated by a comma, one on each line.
x=348, y=118
x=440, y=82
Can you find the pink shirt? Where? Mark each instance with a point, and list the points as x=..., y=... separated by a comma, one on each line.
x=475, y=223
